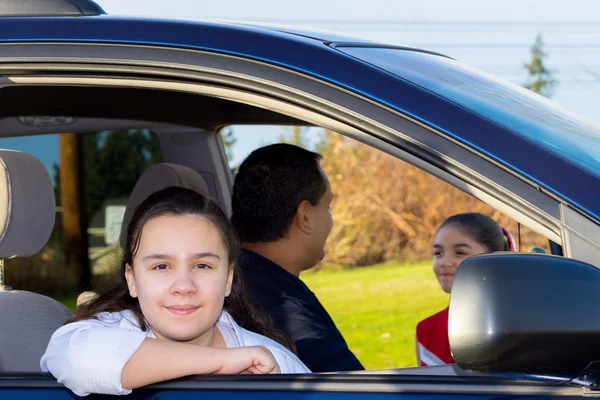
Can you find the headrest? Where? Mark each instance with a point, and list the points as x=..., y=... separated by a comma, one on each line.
x=27, y=205
x=157, y=177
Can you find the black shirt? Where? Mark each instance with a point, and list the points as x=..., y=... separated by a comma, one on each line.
x=297, y=312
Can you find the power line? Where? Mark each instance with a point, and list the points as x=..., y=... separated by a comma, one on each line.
x=412, y=25
x=594, y=24
x=560, y=47
x=567, y=76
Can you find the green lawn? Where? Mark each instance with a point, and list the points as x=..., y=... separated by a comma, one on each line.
x=70, y=302
x=377, y=308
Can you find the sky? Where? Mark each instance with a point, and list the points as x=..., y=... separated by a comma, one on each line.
x=495, y=36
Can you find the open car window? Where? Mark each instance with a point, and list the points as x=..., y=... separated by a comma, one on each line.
x=379, y=252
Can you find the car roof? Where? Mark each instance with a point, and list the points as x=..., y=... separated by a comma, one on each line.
x=225, y=36
x=326, y=57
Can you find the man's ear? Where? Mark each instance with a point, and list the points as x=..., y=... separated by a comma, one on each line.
x=303, y=217
x=130, y=280
x=229, y=280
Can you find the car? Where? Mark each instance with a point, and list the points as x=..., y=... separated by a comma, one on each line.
x=66, y=66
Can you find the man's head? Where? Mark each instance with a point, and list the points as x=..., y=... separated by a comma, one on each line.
x=280, y=191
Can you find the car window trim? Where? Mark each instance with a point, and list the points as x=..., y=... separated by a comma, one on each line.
x=210, y=63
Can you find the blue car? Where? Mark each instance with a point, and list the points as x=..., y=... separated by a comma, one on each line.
x=521, y=325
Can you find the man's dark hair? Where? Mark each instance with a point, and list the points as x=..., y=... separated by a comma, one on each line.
x=269, y=186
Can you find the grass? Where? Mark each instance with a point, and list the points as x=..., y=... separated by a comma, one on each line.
x=377, y=308
x=69, y=302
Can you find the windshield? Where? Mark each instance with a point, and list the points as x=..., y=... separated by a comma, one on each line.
x=507, y=104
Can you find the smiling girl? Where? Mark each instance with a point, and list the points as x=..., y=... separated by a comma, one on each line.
x=178, y=308
x=459, y=237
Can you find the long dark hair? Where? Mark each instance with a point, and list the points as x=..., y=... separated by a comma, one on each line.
x=182, y=201
x=481, y=228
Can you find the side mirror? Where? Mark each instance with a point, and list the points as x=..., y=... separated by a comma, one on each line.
x=525, y=313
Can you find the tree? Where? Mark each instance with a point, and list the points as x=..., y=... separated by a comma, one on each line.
x=228, y=139
x=386, y=209
x=113, y=162
x=540, y=79
x=74, y=221
x=296, y=137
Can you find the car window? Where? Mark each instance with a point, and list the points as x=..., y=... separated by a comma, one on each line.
x=104, y=172
x=519, y=109
x=379, y=252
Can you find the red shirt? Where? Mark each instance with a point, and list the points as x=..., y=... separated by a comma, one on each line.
x=432, y=340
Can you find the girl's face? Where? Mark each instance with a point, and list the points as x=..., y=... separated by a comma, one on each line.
x=181, y=276
x=450, y=247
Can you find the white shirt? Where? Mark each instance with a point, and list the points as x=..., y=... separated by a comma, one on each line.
x=89, y=356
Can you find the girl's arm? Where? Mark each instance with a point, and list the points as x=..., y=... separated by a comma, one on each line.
x=160, y=360
x=97, y=356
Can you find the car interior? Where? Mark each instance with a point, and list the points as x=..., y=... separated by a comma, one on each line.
x=27, y=319
x=188, y=135
x=186, y=120
x=192, y=156
x=191, y=152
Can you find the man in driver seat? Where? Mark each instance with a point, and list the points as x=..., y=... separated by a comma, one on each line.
x=281, y=200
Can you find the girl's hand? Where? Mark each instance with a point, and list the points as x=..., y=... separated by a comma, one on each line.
x=248, y=360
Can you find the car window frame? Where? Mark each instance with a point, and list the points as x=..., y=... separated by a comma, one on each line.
x=402, y=137
x=332, y=107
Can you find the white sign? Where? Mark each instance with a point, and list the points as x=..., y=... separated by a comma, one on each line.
x=113, y=219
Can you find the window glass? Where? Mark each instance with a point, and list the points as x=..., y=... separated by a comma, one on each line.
x=103, y=169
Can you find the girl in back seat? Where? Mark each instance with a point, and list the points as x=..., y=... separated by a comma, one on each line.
x=177, y=309
x=459, y=236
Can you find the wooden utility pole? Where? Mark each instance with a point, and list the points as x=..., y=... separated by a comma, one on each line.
x=74, y=221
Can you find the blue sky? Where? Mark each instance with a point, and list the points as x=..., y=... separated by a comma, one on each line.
x=491, y=35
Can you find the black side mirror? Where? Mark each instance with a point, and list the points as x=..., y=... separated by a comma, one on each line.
x=525, y=313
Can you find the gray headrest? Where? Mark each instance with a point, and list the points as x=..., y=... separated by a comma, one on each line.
x=27, y=206
x=158, y=177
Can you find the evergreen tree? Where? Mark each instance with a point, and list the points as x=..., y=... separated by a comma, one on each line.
x=540, y=77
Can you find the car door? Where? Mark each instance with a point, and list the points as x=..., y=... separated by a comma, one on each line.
x=153, y=70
